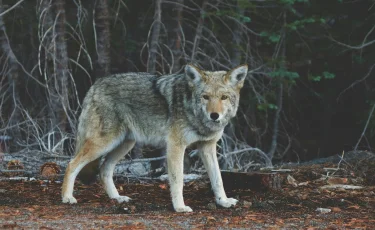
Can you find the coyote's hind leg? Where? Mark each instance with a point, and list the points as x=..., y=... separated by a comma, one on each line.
x=108, y=166
x=91, y=150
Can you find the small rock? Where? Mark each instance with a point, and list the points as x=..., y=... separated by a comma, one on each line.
x=137, y=169
x=323, y=210
x=211, y=206
x=127, y=210
x=247, y=204
x=2, y=190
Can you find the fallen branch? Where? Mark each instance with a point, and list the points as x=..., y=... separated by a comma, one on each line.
x=15, y=171
x=282, y=170
x=145, y=160
x=343, y=186
x=56, y=156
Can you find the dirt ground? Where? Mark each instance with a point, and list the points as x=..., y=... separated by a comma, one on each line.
x=37, y=205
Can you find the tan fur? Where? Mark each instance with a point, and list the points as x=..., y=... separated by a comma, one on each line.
x=215, y=105
x=172, y=112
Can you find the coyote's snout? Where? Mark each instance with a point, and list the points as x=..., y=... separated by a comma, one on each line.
x=172, y=111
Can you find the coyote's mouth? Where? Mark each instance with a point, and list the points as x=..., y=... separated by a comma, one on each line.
x=214, y=125
x=214, y=122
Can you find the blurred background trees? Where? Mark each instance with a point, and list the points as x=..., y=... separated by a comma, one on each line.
x=309, y=94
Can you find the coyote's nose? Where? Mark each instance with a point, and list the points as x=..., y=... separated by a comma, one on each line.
x=214, y=116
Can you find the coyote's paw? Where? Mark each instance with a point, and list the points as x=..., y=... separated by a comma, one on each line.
x=226, y=203
x=69, y=200
x=183, y=209
x=122, y=199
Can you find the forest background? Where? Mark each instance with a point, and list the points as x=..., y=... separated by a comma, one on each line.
x=309, y=93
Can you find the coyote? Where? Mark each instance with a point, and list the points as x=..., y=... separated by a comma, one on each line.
x=171, y=111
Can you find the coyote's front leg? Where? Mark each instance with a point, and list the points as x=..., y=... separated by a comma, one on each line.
x=175, y=156
x=209, y=158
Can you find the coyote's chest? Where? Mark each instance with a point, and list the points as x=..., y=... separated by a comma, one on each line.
x=158, y=136
x=191, y=136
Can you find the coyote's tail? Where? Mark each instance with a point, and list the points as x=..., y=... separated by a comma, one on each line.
x=88, y=174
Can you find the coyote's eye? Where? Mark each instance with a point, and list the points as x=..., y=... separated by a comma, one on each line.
x=206, y=97
x=224, y=97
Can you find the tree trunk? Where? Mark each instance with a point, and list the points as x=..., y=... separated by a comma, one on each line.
x=12, y=77
x=103, y=44
x=60, y=104
x=237, y=33
x=46, y=39
x=177, y=42
x=55, y=65
x=46, y=33
x=198, y=33
x=151, y=63
x=280, y=89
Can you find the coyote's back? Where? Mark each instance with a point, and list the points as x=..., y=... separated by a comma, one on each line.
x=174, y=111
x=124, y=105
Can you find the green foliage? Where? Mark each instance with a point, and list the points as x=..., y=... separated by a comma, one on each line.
x=245, y=19
x=358, y=59
x=328, y=75
x=283, y=73
x=315, y=78
x=272, y=37
x=298, y=24
x=325, y=75
x=291, y=2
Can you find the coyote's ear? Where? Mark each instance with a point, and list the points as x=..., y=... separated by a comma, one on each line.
x=193, y=73
x=236, y=76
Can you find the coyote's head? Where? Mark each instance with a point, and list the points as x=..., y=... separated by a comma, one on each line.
x=215, y=95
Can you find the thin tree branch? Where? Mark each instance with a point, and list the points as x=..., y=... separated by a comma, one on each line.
x=11, y=8
x=365, y=128
x=363, y=45
x=268, y=160
x=357, y=81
